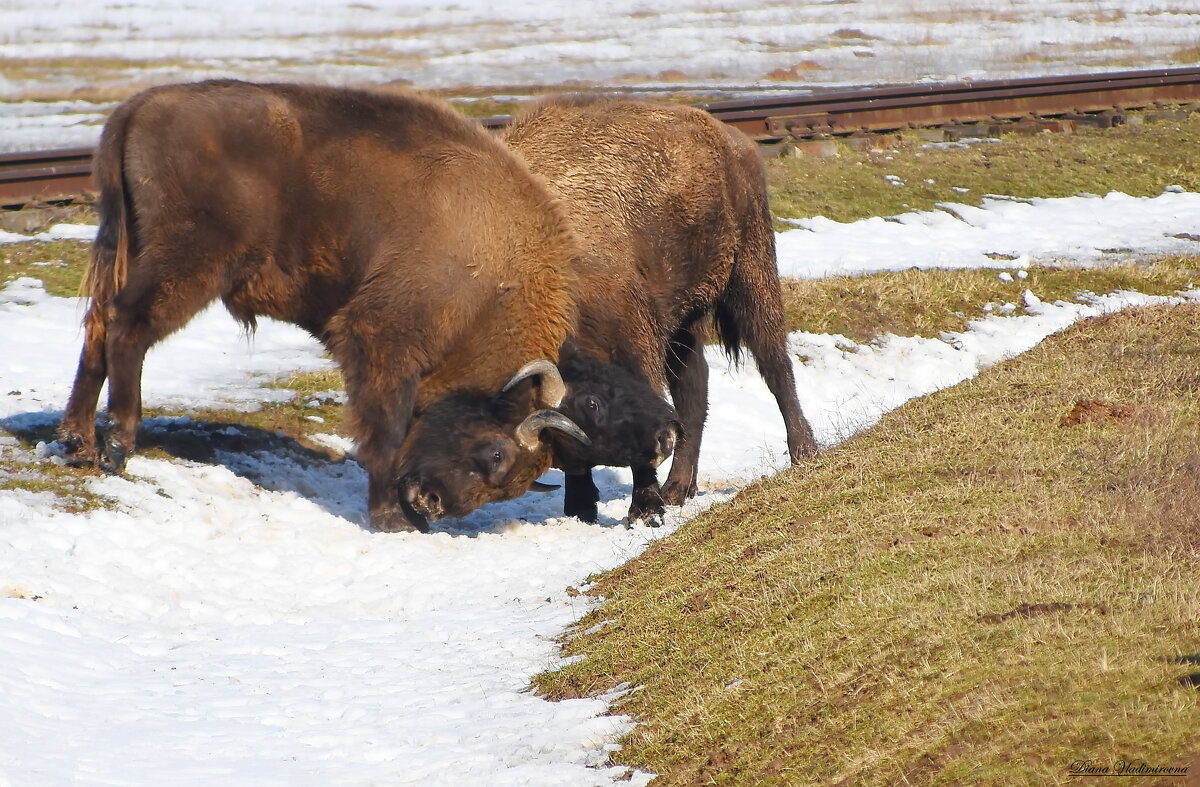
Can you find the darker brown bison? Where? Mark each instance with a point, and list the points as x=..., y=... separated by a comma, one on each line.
x=671, y=209
x=433, y=266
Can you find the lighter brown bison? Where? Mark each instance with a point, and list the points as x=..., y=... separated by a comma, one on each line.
x=671, y=209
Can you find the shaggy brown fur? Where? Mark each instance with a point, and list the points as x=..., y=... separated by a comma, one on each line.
x=414, y=245
x=671, y=208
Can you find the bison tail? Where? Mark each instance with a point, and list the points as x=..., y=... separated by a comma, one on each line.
x=108, y=264
x=726, y=325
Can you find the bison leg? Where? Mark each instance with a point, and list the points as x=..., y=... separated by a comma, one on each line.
x=752, y=301
x=77, y=432
x=124, y=403
x=380, y=421
x=145, y=311
x=385, y=506
x=580, y=496
x=647, y=497
x=775, y=365
x=381, y=389
x=687, y=374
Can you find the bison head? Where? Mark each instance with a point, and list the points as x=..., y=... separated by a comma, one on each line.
x=629, y=424
x=469, y=448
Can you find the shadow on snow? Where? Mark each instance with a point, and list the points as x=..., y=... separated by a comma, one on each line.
x=276, y=462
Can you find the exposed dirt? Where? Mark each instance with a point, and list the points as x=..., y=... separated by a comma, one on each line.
x=1094, y=411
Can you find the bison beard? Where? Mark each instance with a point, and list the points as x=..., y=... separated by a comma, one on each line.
x=671, y=209
x=415, y=246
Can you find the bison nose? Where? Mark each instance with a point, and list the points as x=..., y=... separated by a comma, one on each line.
x=666, y=439
x=423, y=500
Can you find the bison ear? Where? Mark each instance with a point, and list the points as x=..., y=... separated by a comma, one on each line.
x=549, y=382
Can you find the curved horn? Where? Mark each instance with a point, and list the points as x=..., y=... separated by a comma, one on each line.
x=552, y=386
x=538, y=486
x=529, y=430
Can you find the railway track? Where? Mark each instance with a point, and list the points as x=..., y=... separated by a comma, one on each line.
x=45, y=175
x=892, y=108
x=63, y=175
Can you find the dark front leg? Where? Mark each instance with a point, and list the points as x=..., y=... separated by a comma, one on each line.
x=381, y=435
x=381, y=381
x=581, y=496
x=647, y=497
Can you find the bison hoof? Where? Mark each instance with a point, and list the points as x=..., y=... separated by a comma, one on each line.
x=676, y=493
x=585, y=513
x=647, y=505
x=113, y=458
x=77, y=451
x=650, y=520
x=803, y=452
x=396, y=521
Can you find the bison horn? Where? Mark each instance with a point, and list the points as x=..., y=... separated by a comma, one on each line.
x=531, y=428
x=552, y=386
x=538, y=486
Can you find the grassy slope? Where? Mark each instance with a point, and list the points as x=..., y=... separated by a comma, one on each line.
x=863, y=619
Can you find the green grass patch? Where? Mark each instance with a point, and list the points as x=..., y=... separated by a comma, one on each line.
x=299, y=416
x=485, y=107
x=931, y=302
x=311, y=410
x=22, y=469
x=59, y=264
x=997, y=580
x=1139, y=160
x=67, y=484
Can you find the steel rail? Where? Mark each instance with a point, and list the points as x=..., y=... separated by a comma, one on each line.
x=892, y=108
x=45, y=175
x=66, y=174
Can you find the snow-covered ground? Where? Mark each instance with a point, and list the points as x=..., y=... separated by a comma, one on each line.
x=56, y=51
x=236, y=623
x=1002, y=232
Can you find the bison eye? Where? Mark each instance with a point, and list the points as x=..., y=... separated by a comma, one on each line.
x=595, y=410
x=493, y=462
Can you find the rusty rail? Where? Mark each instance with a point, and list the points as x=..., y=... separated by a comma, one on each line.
x=45, y=175
x=66, y=174
x=893, y=108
